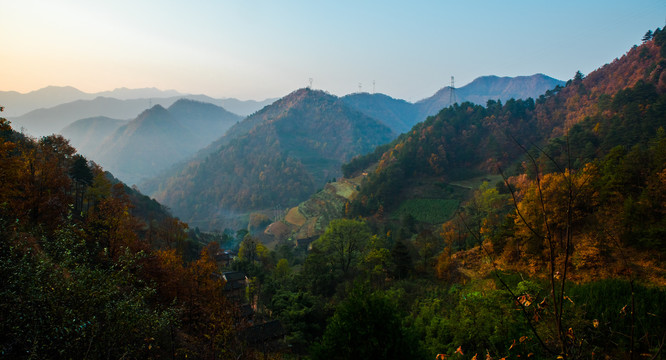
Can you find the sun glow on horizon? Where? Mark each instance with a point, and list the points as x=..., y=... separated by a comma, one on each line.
x=264, y=49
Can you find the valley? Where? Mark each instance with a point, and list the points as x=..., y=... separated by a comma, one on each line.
x=525, y=219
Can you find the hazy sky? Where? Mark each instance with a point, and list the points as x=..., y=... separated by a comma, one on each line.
x=253, y=49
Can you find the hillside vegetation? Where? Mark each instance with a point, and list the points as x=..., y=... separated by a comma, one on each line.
x=276, y=157
x=92, y=268
x=558, y=253
x=522, y=229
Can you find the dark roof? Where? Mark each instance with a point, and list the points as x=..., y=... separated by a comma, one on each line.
x=230, y=276
x=223, y=257
x=234, y=280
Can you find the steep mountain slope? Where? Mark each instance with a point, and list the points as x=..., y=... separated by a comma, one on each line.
x=616, y=105
x=275, y=157
x=86, y=135
x=146, y=145
x=465, y=141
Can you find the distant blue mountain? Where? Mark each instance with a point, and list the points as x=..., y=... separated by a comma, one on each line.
x=401, y=115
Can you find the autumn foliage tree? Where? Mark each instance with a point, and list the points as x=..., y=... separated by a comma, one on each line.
x=81, y=279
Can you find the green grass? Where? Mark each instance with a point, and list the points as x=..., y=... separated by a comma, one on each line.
x=431, y=211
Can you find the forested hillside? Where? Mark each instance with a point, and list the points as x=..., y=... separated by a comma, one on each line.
x=467, y=140
x=276, y=157
x=93, y=269
x=550, y=243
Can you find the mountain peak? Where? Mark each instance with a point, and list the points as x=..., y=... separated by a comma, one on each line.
x=304, y=93
x=155, y=115
x=51, y=88
x=156, y=109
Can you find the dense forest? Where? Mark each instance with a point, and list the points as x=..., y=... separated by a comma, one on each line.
x=554, y=244
x=93, y=269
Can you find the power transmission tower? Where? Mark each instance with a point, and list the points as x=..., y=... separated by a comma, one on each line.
x=373, y=86
x=310, y=80
x=452, y=94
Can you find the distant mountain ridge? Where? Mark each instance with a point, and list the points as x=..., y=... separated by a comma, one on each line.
x=18, y=104
x=49, y=110
x=401, y=115
x=491, y=87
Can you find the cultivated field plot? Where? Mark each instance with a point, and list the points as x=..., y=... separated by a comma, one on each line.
x=431, y=211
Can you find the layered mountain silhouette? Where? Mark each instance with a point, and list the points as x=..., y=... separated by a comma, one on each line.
x=51, y=109
x=156, y=139
x=18, y=104
x=276, y=157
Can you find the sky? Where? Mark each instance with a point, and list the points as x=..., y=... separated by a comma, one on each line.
x=252, y=49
